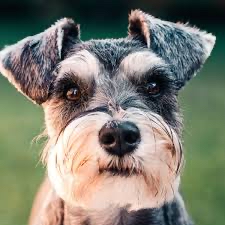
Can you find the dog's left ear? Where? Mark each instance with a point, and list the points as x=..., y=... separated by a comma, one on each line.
x=28, y=64
x=183, y=47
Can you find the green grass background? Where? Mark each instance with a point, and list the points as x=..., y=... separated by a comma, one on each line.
x=203, y=104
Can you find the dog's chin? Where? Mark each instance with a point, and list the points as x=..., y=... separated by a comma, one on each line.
x=97, y=188
x=118, y=189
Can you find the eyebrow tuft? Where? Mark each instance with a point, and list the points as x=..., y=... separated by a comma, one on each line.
x=162, y=72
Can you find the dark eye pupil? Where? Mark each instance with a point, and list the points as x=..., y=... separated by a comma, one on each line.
x=73, y=94
x=153, y=88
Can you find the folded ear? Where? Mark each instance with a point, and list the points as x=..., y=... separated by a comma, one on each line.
x=183, y=47
x=28, y=64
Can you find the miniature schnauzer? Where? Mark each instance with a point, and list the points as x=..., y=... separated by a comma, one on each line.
x=114, y=152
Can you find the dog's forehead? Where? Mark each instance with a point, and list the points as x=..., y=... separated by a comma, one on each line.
x=112, y=55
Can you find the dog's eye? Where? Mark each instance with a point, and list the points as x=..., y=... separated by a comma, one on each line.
x=153, y=88
x=73, y=94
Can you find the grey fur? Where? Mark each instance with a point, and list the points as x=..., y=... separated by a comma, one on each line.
x=34, y=66
x=183, y=47
x=30, y=62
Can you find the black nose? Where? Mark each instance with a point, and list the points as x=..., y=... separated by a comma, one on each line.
x=119, y=138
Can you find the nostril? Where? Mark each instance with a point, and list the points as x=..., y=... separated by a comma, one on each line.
x=131, y=137
x=108, y=139
x=130, y=134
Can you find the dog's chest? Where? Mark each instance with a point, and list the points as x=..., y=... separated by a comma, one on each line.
x=114, y=217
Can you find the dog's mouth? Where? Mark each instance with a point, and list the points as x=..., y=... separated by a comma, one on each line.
x=115, y=171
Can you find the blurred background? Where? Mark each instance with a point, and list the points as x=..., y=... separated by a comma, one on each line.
x=202, y=101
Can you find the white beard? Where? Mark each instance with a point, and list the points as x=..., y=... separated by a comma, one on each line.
x=77, y=164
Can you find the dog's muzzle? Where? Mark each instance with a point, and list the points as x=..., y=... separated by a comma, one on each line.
x=119, y=138
x=135, y=157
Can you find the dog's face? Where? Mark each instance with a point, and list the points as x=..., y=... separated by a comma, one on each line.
x=110, y=107
x=114, y=114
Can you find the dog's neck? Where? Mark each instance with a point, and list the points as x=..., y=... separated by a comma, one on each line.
x=112, y=216
x=170, y=214
x=56, y=212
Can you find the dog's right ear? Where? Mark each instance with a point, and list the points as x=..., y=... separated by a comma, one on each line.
x=28, y=64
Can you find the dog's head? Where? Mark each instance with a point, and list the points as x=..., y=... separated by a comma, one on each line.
x=110, y=107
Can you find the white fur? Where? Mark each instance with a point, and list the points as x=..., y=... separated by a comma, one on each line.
x=83, y=64
x=139, y=63
x=75, y=160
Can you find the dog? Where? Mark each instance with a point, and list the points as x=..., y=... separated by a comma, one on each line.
x=114, y=151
